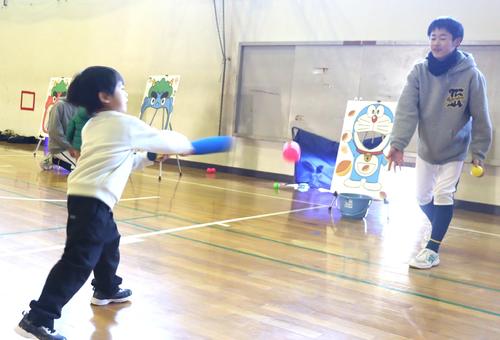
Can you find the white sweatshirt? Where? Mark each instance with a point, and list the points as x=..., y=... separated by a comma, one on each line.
x=114, y=144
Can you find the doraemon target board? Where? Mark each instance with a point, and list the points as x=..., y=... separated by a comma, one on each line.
x=158, y=101
x=364, y=144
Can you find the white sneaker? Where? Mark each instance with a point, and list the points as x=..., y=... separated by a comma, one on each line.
x=425, y=259
x=46, y=163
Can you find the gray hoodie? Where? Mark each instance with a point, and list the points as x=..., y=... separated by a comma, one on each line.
x=448, y=109
x=59, y=117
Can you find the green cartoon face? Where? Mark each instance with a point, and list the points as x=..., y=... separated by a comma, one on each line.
x=160, y=87
x=60, y=89
x=159, y=96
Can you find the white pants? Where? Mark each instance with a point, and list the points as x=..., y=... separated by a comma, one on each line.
x=437, y=181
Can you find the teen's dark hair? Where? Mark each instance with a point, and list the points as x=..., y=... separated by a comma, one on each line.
x=85, y=87
x=448, y=23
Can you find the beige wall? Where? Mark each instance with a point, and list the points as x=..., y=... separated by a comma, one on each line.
x=41, y=39
x=138, y=38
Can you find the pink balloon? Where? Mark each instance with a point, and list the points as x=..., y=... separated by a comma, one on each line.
x=291, y=152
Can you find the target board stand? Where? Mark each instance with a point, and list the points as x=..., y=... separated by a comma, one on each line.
x=364, y=144
x=58, y=88
x=159, y=96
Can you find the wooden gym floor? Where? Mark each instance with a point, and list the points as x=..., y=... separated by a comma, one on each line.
x=228, y=257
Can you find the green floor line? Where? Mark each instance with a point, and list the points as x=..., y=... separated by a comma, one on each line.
x=254, y=236
x=58, y=204
x=38, y=186
x=465, y=283
x=285, y=262
x=139, y=226
x=31, y=231
x=342, y=276
x=64, y=204
x=126, y=220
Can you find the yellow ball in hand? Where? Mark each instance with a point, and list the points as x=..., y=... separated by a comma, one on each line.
x=476, y=171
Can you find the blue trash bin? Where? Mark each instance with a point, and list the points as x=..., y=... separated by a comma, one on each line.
x=353, y=205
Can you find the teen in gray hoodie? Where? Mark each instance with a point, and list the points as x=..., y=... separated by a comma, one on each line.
x=445, y=97
x=61, y=152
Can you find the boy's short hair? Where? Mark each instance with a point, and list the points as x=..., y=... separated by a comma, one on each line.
x=85, y=87
x=448, y=23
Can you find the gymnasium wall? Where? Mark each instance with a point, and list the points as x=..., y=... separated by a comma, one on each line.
x=263, y=21
x=48, y=38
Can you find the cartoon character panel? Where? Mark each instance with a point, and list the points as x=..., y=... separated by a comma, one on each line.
x=58, y=87
x=159, y=98
x=364, y=144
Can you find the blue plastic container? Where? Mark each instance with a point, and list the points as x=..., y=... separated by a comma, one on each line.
x=353, y=205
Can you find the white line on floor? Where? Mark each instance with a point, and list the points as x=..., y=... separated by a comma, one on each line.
x=226, y=189
x=30, y=199
x=63, y=200
x=139, y=198
x=139, y=237
x=238, y=219
x=31, y=251
x=475, y=231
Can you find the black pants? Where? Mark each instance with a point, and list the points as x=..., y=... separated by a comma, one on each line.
x=91, y=245
x=64, y=160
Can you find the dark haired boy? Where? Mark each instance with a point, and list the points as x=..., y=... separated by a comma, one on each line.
x=445, y=96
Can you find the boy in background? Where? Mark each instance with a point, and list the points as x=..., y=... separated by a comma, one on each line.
x=445, y=96
x=61, y=152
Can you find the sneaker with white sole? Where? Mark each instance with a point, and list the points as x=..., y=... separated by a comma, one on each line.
x=46, y=163
x=27, y=329
x=425, y=259
x=100, y=299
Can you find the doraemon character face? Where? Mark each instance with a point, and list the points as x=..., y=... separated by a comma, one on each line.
x=372, y=128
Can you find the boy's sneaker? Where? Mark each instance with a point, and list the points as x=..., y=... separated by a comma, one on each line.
x=46, y=163
x=100, y=299
x=28, y=330
x=425, y=259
